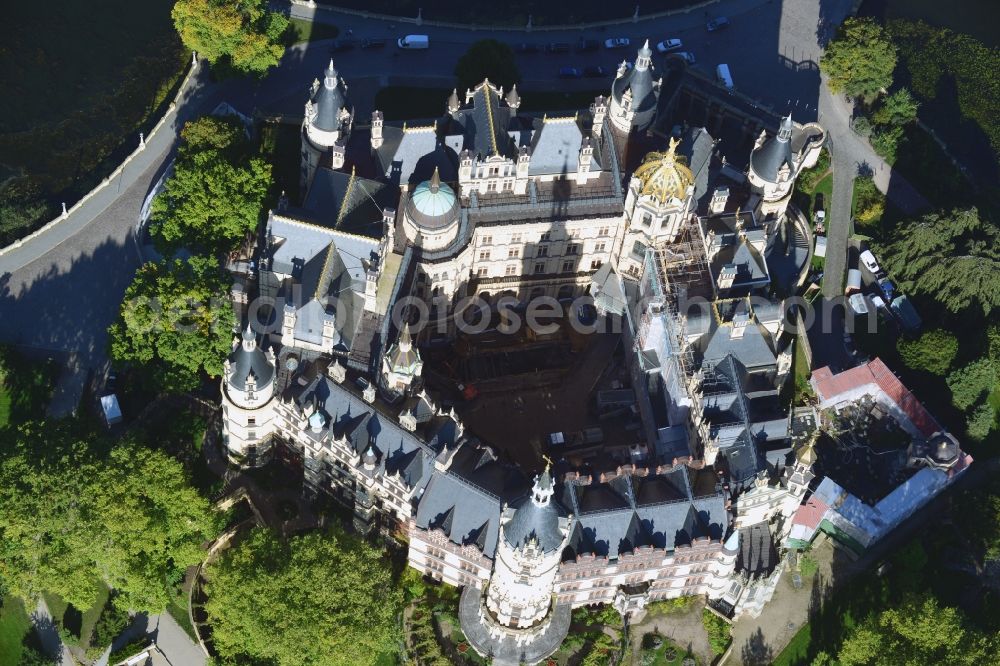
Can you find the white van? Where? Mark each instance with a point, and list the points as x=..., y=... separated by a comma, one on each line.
x=414, y=42
x=723, y=76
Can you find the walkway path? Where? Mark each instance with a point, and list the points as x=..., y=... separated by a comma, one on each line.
x=48, y=634
x=851, y=154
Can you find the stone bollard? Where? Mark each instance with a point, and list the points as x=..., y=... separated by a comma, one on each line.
x=65, y=213
x=420, y=16
x=142, y=141
x=527, y=28
x=635, y=16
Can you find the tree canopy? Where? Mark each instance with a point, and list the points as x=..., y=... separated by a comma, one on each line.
x=216, y=194
x=934, y=351
x=176, y=319
x=243, y=34
x=320, y=598
x=918, y=631
x=487, y=58
x=970, y=384
x=952, y=258
x=77, y=511
x=860, y=61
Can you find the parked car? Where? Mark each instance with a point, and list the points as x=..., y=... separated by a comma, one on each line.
x=528, y=48
x=558, y=47
x=718, y=23
x=569, y=73
x=723, y=76
x=586, y=45
x=858, y=304
x=414, y=42
x=617, y=43
x=369, y=43
x=853, y=280
x=594, y=72
x=687, y=56
x=341, y=45
x=887, y=288
x=668, y=45
x=868, y=259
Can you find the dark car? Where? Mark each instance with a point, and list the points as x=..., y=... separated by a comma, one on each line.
x=887, y=288
x=558, y=47
x=569, y=73
x=527, y=48
x=341, y=45
x=373, y=43
x=594, y=72
x=586, y=45
x=717, y=23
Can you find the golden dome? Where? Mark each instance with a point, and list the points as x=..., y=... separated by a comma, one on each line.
x=665, y=176
x=807, y=453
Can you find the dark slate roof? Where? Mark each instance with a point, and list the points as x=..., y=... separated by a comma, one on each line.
x=349, y=202
x=409, y=156
x=364, y=425
x=631, y=511
x=243, y=363
x=485, y=124
x=328, y=100
x=775, y=152
x=473, y=490
x=757, y=555
x=535, y=521
x=697, y=146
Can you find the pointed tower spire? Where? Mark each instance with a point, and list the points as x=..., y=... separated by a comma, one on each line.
x=645, y=57
x=785, y=131
x=405, y=340
x=513, y=98
x=435, y=180
x=330, y=76
x=249, y=339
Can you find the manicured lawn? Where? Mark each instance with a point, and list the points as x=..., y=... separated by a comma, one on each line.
x=14, y=626
x=409, y=103
x=280, y=144
x=307, y=31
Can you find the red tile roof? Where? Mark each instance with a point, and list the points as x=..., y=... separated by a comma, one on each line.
x=810, y=513
x=875, y=372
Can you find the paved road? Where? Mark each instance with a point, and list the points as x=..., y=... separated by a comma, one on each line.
x=48, y=635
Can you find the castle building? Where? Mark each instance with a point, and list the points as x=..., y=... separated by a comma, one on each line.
x=491, y=202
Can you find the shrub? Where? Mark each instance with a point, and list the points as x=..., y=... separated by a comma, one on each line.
x=885, y=142
x=668, y=606
x=129, y=649
x=862, y=126
x=718, y=631
x=808, y=566
x=934, y=351
x=870, y=203
x=110, y=625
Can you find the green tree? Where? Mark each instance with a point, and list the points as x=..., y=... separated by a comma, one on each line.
x=77, y=511
x=897, y=109
x=918, y=631
x=952, y=258
x=215, y=196
x=487, y=58
x=242, y=33
x=885, y=141
x=177, y=320
x=934, y=351
x=870, y=203
x=321, y=598
x=860, y=61
x=970, y=384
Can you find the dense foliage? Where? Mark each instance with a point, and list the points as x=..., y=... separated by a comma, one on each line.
x=933, y=351
x=918, y=631
x=321, y=598
x=215, y=196
x=953, y=257
x=77, y=511
x=242, y=34
x=869, y=202
x=176, y=319
x=935, y=57
x=490, y=59
x=718, y=630
x=860, y=61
